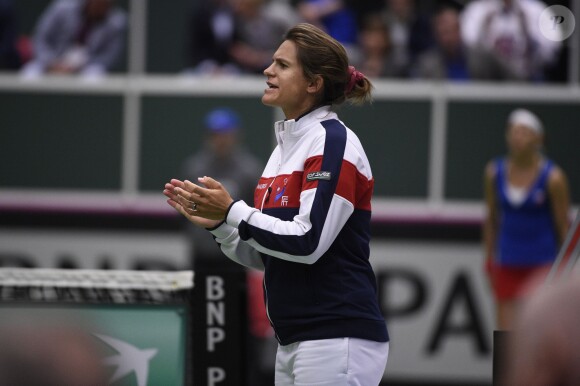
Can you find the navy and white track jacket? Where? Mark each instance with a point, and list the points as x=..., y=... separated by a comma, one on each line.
x=310, y=231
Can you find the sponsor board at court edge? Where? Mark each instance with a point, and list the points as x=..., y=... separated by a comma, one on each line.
x=438, y=309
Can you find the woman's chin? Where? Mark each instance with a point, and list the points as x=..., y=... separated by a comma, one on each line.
x=268, y=100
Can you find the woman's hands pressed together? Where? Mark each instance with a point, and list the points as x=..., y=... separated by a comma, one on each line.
x=203, y=206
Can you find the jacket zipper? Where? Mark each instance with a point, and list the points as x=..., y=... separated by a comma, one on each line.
x=265, y=199
x=268, y=311
x=267, y=195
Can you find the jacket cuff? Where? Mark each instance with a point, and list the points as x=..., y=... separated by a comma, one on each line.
x=237, y=212
x=222, y=231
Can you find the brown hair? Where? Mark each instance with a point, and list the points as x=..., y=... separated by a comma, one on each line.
x=320, y=54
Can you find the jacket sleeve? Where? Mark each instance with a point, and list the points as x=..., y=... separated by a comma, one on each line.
x=302, y=240
x=326, y=203
x=237, y=250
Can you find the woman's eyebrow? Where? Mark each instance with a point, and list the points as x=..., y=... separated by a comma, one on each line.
x=281, y=60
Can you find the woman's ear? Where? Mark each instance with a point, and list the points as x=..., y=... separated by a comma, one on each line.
x=315, y=85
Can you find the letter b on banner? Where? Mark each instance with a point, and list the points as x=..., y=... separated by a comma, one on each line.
x=214, y=288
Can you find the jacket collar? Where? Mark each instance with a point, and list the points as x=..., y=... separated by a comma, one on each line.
x=293, y=128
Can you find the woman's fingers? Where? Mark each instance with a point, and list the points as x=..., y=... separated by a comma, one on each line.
x=193, y=188
x=190, y=196
x=169, y=191
x=183, y=206
x=184, y=201
x=209, y=202
x=210, y=183
x=176, y=183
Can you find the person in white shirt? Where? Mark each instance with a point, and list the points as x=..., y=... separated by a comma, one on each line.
x=505, y=41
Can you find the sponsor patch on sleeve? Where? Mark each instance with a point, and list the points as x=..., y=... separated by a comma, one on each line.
x=321, y=175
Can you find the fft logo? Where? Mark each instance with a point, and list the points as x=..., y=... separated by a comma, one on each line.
x=557, y=23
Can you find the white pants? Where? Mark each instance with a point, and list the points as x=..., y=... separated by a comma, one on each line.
x=331, y=362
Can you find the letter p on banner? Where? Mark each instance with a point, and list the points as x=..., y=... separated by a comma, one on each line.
x=215, y=375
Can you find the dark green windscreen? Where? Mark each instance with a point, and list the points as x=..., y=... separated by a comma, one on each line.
x=167, y=35
x=395, y=136
x=172, y=129
x=60, y=141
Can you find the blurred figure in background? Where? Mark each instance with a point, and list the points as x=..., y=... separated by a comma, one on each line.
x=332, y=16
x=213, y=32
x=85, y=37
x=410, y=31
x=231, y=37
x=9, y=57
x=527, y=202
x=375, y=58
x=447, y=59
x=364, y=9
x=222, y=155
x=261, y=32
x=505, y=40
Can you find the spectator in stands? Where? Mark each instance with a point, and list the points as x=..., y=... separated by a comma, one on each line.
x=410, y=31
x=85, y=37
x=504, y=40
x=213, y=32
x=376, y=55
x=332, y=16
x=364, y=9
x=447, y=59
x=9, y=57
x=527, y=203
x=222, y=155
x=260, y=33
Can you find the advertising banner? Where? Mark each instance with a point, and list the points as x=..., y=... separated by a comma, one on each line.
x=438, y=309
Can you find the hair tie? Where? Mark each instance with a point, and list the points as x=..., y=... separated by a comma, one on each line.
x=354, y=77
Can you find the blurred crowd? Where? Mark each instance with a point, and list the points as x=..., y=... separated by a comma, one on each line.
x=455, y=40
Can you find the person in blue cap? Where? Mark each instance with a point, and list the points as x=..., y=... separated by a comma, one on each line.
x=221, y=155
